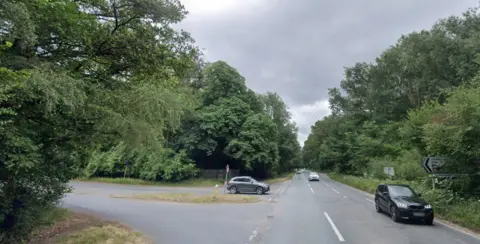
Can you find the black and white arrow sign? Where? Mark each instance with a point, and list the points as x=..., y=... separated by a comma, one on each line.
x=426, y=165
x=431, y=164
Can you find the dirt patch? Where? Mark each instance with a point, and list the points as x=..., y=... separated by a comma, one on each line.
x=191, y=198
x=77, y=228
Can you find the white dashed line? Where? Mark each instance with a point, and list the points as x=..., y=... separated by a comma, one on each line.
x=283, y=189
x=312, y=190
x=337, y=232
x=335, y=191
x=345, y=197
x=253, y=235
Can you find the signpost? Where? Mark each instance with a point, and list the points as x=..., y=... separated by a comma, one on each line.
x=227, y=169
x=125, y=171
x=433, y=166
x=389, y=171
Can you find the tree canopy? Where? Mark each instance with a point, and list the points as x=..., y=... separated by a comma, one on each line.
x=418, y=98
x=89, y=86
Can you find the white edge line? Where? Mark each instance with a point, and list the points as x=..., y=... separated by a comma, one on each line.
x=339, y=235
x=370, y=200
x=459, y=230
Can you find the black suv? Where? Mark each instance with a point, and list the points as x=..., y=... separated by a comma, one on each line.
x=401, y=202
x=247, y=184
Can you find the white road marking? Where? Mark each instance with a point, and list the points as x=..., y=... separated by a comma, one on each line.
x=337, y=232
x=283, y=189
x=335, y=191
x=253, y=235
x=345, y=196
x=312, y=190
x=370, y=200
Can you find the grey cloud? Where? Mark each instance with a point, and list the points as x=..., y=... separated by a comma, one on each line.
x=299, y=48
x=306, y=43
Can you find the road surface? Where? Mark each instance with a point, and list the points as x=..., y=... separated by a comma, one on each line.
x=172, y=223
x=295, y=212
x=330, y=212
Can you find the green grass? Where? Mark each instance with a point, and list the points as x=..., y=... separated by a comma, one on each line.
x=199, y=182
x=281, y=178
x=49, y=218
x=463, y=213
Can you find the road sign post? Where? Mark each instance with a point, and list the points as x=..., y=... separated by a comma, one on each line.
x=125, y=170
x=227, y=169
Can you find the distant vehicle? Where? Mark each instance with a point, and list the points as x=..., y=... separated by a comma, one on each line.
x=313, y=176
x=299, y=171
x=401, y=202
x=247, y=184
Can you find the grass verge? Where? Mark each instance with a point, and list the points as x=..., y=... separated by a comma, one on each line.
x=281, y=178
x=60, y=226
x=192, y=198
x=199, y=182
x=462, y=212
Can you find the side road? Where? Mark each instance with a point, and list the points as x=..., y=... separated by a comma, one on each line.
x=172, y=222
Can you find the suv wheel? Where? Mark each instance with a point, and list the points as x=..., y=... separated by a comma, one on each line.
x=233, y=190
x=377, y=207
x=394, y=214
x=259, y=190
x=429, y=221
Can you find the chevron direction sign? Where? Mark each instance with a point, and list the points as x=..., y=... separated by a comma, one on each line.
x=432, y=164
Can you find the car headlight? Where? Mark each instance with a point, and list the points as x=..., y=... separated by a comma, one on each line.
x=402, y=205
x=428, y=206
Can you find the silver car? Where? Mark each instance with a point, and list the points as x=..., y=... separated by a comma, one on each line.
x=313, y=177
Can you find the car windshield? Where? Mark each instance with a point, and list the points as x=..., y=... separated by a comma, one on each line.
x=401, y=191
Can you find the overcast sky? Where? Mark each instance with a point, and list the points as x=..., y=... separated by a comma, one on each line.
x=298, y=48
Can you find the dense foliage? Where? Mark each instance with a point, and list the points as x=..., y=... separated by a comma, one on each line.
x=88, y=87
x=419, y=98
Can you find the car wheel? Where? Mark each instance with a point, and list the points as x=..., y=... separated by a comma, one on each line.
x=259, y=190
x=429, y=221
x=377, y=207
x=233, y=190
x=394, y=214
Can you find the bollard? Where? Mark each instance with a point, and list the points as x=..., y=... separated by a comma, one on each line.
x=215, y=191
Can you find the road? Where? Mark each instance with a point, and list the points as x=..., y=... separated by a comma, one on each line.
x=330, y=212
x=172, y=223
x=295, y=212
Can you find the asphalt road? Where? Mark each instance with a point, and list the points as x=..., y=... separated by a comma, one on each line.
x=295, y=212
x=330, y=212
x=172, y=223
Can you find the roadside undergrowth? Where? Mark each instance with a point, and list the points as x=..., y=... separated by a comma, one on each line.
x=61, y=226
